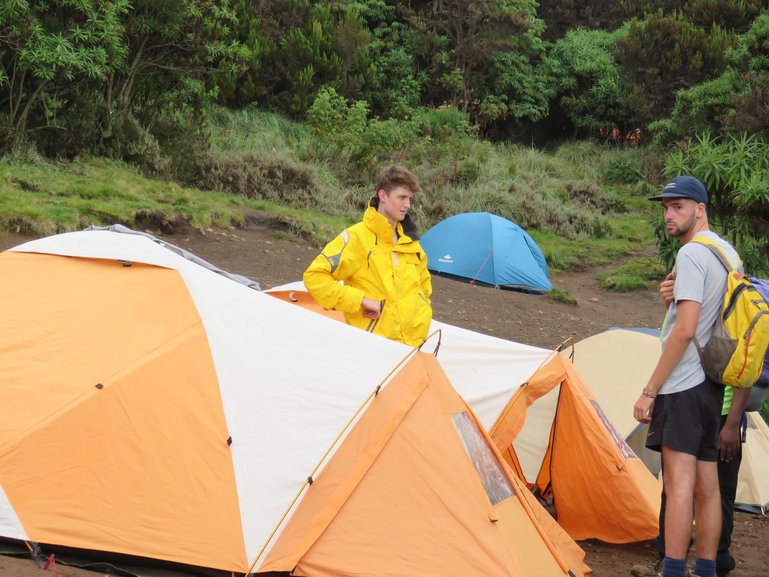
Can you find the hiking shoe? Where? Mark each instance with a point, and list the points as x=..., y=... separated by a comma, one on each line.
x=654, y=569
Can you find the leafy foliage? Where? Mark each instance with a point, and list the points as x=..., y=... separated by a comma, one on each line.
x=486, y=57
x=588, y=83
x=298, y=47
x=661, y=55
x=735, y=170
x=110, y=77
x=49, y=52
x=735, y=101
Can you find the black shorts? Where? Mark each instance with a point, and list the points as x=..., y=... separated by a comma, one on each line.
x=688, y=421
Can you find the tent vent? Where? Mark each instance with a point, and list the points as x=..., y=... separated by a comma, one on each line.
x=99, y=386
x=125, y=262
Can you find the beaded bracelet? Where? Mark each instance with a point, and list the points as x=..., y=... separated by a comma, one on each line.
x=649, y=395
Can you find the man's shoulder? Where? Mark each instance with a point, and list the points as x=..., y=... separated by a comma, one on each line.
x=701, y=243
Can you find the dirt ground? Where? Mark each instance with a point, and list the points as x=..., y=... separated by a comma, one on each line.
x=263, y=253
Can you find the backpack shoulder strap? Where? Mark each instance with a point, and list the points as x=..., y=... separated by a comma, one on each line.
x=716, y=250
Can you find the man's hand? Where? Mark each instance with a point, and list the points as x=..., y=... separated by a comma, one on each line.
x=371, y=308
x=729, y=441
x=642, y=411
x=666, y=289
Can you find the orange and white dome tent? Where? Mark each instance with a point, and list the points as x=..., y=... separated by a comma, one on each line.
x=152, y=407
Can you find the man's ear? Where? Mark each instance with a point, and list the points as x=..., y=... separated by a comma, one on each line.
x=381, y=194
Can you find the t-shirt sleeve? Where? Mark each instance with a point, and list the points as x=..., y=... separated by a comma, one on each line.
x=690, y=275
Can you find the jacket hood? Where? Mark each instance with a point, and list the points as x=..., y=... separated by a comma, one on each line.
x=408, y=224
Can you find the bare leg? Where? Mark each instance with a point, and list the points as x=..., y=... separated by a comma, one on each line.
x=707, y=510
x=680, y=472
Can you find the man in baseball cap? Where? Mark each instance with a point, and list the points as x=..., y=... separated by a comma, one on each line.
x=684, y=408
x=684, y=187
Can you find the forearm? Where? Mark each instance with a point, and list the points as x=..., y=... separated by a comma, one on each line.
x=740, y=398
x=328, y=292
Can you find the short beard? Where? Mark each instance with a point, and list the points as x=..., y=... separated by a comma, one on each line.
x=681, y=231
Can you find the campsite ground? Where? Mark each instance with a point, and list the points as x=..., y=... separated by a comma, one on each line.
x=265, y=253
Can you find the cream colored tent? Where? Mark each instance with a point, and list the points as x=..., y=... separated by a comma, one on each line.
x=620, y=501
x=618, y=363
x=154, y=408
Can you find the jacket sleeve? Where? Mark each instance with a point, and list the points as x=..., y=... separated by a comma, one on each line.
x=338, y=261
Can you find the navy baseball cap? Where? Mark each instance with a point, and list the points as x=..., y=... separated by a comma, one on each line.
x=684, y=187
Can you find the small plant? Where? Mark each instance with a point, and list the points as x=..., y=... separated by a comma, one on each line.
x=633, y=275
x=623, y=170
x=562, y=296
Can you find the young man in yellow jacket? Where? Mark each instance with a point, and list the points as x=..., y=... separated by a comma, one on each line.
x=385, y=286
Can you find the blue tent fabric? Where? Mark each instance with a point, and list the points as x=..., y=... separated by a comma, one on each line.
x=484, y=248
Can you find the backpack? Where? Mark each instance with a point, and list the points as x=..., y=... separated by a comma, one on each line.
x=735, y=353
x=760, y=389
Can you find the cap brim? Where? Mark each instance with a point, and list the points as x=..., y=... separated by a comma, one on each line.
x=665, y=195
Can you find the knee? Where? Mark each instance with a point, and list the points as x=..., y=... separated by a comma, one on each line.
x=704, y=491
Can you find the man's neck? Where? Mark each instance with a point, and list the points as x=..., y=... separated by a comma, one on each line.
x=703, y=227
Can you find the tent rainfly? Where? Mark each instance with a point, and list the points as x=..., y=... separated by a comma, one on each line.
x=154, y=408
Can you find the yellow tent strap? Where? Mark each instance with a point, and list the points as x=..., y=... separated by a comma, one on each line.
x=309, y=480
x=546, y=360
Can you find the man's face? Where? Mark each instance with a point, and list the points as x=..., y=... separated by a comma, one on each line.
x=395, y=204
x=680, y=215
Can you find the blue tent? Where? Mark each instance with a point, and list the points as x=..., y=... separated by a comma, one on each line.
x=483, y=248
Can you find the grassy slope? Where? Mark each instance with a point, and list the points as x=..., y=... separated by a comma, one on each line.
x=583, y=203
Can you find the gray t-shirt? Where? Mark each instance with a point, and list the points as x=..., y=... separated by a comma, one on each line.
x=700, y=277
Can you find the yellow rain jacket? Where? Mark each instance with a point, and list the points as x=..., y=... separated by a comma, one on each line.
x=369, y=264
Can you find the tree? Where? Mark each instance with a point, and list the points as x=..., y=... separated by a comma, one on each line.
x=482, y=54
x=589, y=89
x=661, y=55
x=737, y=101
x=298, y=47
x=103, y=73
x=49, y=51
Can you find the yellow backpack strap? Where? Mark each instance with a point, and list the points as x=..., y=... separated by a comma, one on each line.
x=716, y=250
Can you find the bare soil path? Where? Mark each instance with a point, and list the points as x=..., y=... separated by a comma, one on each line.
x=263, y=252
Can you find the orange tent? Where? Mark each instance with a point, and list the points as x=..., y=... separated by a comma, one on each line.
x=152, y=407
x=552, y=430
x=555, y=435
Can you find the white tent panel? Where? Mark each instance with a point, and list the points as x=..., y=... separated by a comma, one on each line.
x=753, y=485
x=10, y=525
x=485, y=370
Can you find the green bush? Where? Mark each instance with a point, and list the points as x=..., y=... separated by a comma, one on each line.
x=623, y=170
x=661, y=55
x=588, y=83
x=735, y=171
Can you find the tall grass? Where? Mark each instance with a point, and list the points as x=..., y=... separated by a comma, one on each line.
x=583, y=203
